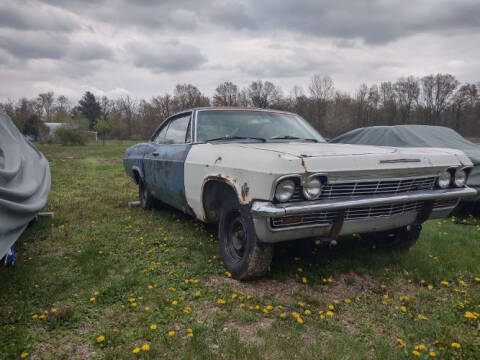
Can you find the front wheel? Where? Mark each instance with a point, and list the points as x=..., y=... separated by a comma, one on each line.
x=241, y=252
x=398, y=239
x=146, y=200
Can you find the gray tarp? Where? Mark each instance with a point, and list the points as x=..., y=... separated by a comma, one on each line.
x=416, y=136
x=24, y=183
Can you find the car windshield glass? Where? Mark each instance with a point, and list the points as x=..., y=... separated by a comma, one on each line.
x=241, y=125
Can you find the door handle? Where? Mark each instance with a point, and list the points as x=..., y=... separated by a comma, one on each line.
x=155, y=154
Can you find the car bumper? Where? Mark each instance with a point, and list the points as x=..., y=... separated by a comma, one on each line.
x=263, y=212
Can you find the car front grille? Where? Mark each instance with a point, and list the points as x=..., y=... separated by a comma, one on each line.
x=327, y=217
x=370, y=188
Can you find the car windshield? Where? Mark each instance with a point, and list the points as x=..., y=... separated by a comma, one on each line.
x=241, y=125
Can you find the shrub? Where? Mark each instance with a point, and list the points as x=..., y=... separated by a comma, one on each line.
x=67, y=136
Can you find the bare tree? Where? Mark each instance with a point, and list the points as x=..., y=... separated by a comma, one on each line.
x=263, y=94
x=388, y=101
x=407, y=91
x=226, y=94
x=321, y=90
x=127, y=106
x=188, y=96
x=437, y=91
x=46, y=102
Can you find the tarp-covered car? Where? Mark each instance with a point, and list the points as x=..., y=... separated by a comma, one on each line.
x=417, y=136
x=24, y=183
x=267, y=176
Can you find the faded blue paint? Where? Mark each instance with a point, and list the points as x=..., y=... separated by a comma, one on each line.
x=163, y=168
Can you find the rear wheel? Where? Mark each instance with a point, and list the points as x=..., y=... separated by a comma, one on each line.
x=401, y=239
x=146, y=200
x=241, y=252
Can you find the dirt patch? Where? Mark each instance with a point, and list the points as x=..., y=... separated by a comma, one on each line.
x=248, y=332
x=346, y=286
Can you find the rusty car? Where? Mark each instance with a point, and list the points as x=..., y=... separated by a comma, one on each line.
x=267, y=176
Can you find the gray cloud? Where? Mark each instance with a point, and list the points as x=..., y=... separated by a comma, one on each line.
x=148, y=46
x=86, y=51
x=30, y=16
x=34, y=45
x=166, y=57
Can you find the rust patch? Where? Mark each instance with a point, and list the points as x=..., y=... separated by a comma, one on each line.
x=303, y=164
x=218, y=159
x=245, y=191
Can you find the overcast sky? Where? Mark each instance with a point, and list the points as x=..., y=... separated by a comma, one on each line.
x=145, y=47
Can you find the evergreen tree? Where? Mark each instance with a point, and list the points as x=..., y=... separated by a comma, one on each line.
x=90, y=108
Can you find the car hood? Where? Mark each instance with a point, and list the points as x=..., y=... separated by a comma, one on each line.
x=308, y=150
x=301, y=149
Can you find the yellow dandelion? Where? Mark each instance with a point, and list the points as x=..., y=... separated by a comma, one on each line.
x=234, y=296
x=470, y=315
x=147, y=308
x=455, y=345
x=221, y=301
x=153, y=327
x=174, y=302
x=197, y=293
x=307, y=312
x=400, y=342
x=331, y=307
x=101, y=338
x=24, y=354
x=304, y=280
x=421, y=317
x=403, y=309
x=347, y=301
x=145, y=347
x=96, y=292
x=299, y=320
x=420, y=347
x=171, y=333
x=283, y=315
x=416, y=353
x=92, y=299
x=34, y=316
x=136, y=350
x=444, y=283
x=228, y=274
x=329, y=313
x=432, y=353
x=429, y=286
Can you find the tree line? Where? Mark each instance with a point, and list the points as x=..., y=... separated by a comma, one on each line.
x=437, y=99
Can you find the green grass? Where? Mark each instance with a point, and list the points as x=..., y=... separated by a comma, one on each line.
x=84, y=270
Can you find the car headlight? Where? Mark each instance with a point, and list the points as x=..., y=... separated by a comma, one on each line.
x=460, y=178
x=444, y=179
x=312, y=188
x=284, y=190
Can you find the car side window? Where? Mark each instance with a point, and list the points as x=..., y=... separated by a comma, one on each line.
x=178, y=131
x=160, y=137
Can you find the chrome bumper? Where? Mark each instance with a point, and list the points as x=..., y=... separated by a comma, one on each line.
x=262, y=211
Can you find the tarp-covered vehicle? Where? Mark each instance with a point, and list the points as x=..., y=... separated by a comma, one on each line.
x=24, y=183
x=420, y=136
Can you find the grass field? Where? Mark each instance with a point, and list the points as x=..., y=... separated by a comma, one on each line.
x=105, y=281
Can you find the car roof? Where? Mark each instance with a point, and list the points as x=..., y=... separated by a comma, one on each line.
x=235, y=108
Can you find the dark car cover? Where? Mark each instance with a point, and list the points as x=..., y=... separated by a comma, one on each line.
x=24, y=183
x=416, y=136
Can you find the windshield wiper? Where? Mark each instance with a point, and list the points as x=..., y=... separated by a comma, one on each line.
x=227, y=138
x=288, y=137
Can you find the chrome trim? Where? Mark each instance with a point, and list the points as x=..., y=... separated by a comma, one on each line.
x=357, y=226
x=264, y=208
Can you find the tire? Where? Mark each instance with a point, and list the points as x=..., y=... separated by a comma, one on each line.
x=146, y=199
x=401, y=239
x=241, y=252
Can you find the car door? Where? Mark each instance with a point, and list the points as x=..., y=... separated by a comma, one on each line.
x=166, y=163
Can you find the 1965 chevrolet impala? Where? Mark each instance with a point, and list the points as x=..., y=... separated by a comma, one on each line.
x=267, y=176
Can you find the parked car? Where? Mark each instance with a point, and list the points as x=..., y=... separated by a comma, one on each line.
x=422, y=136
x=267, y=176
